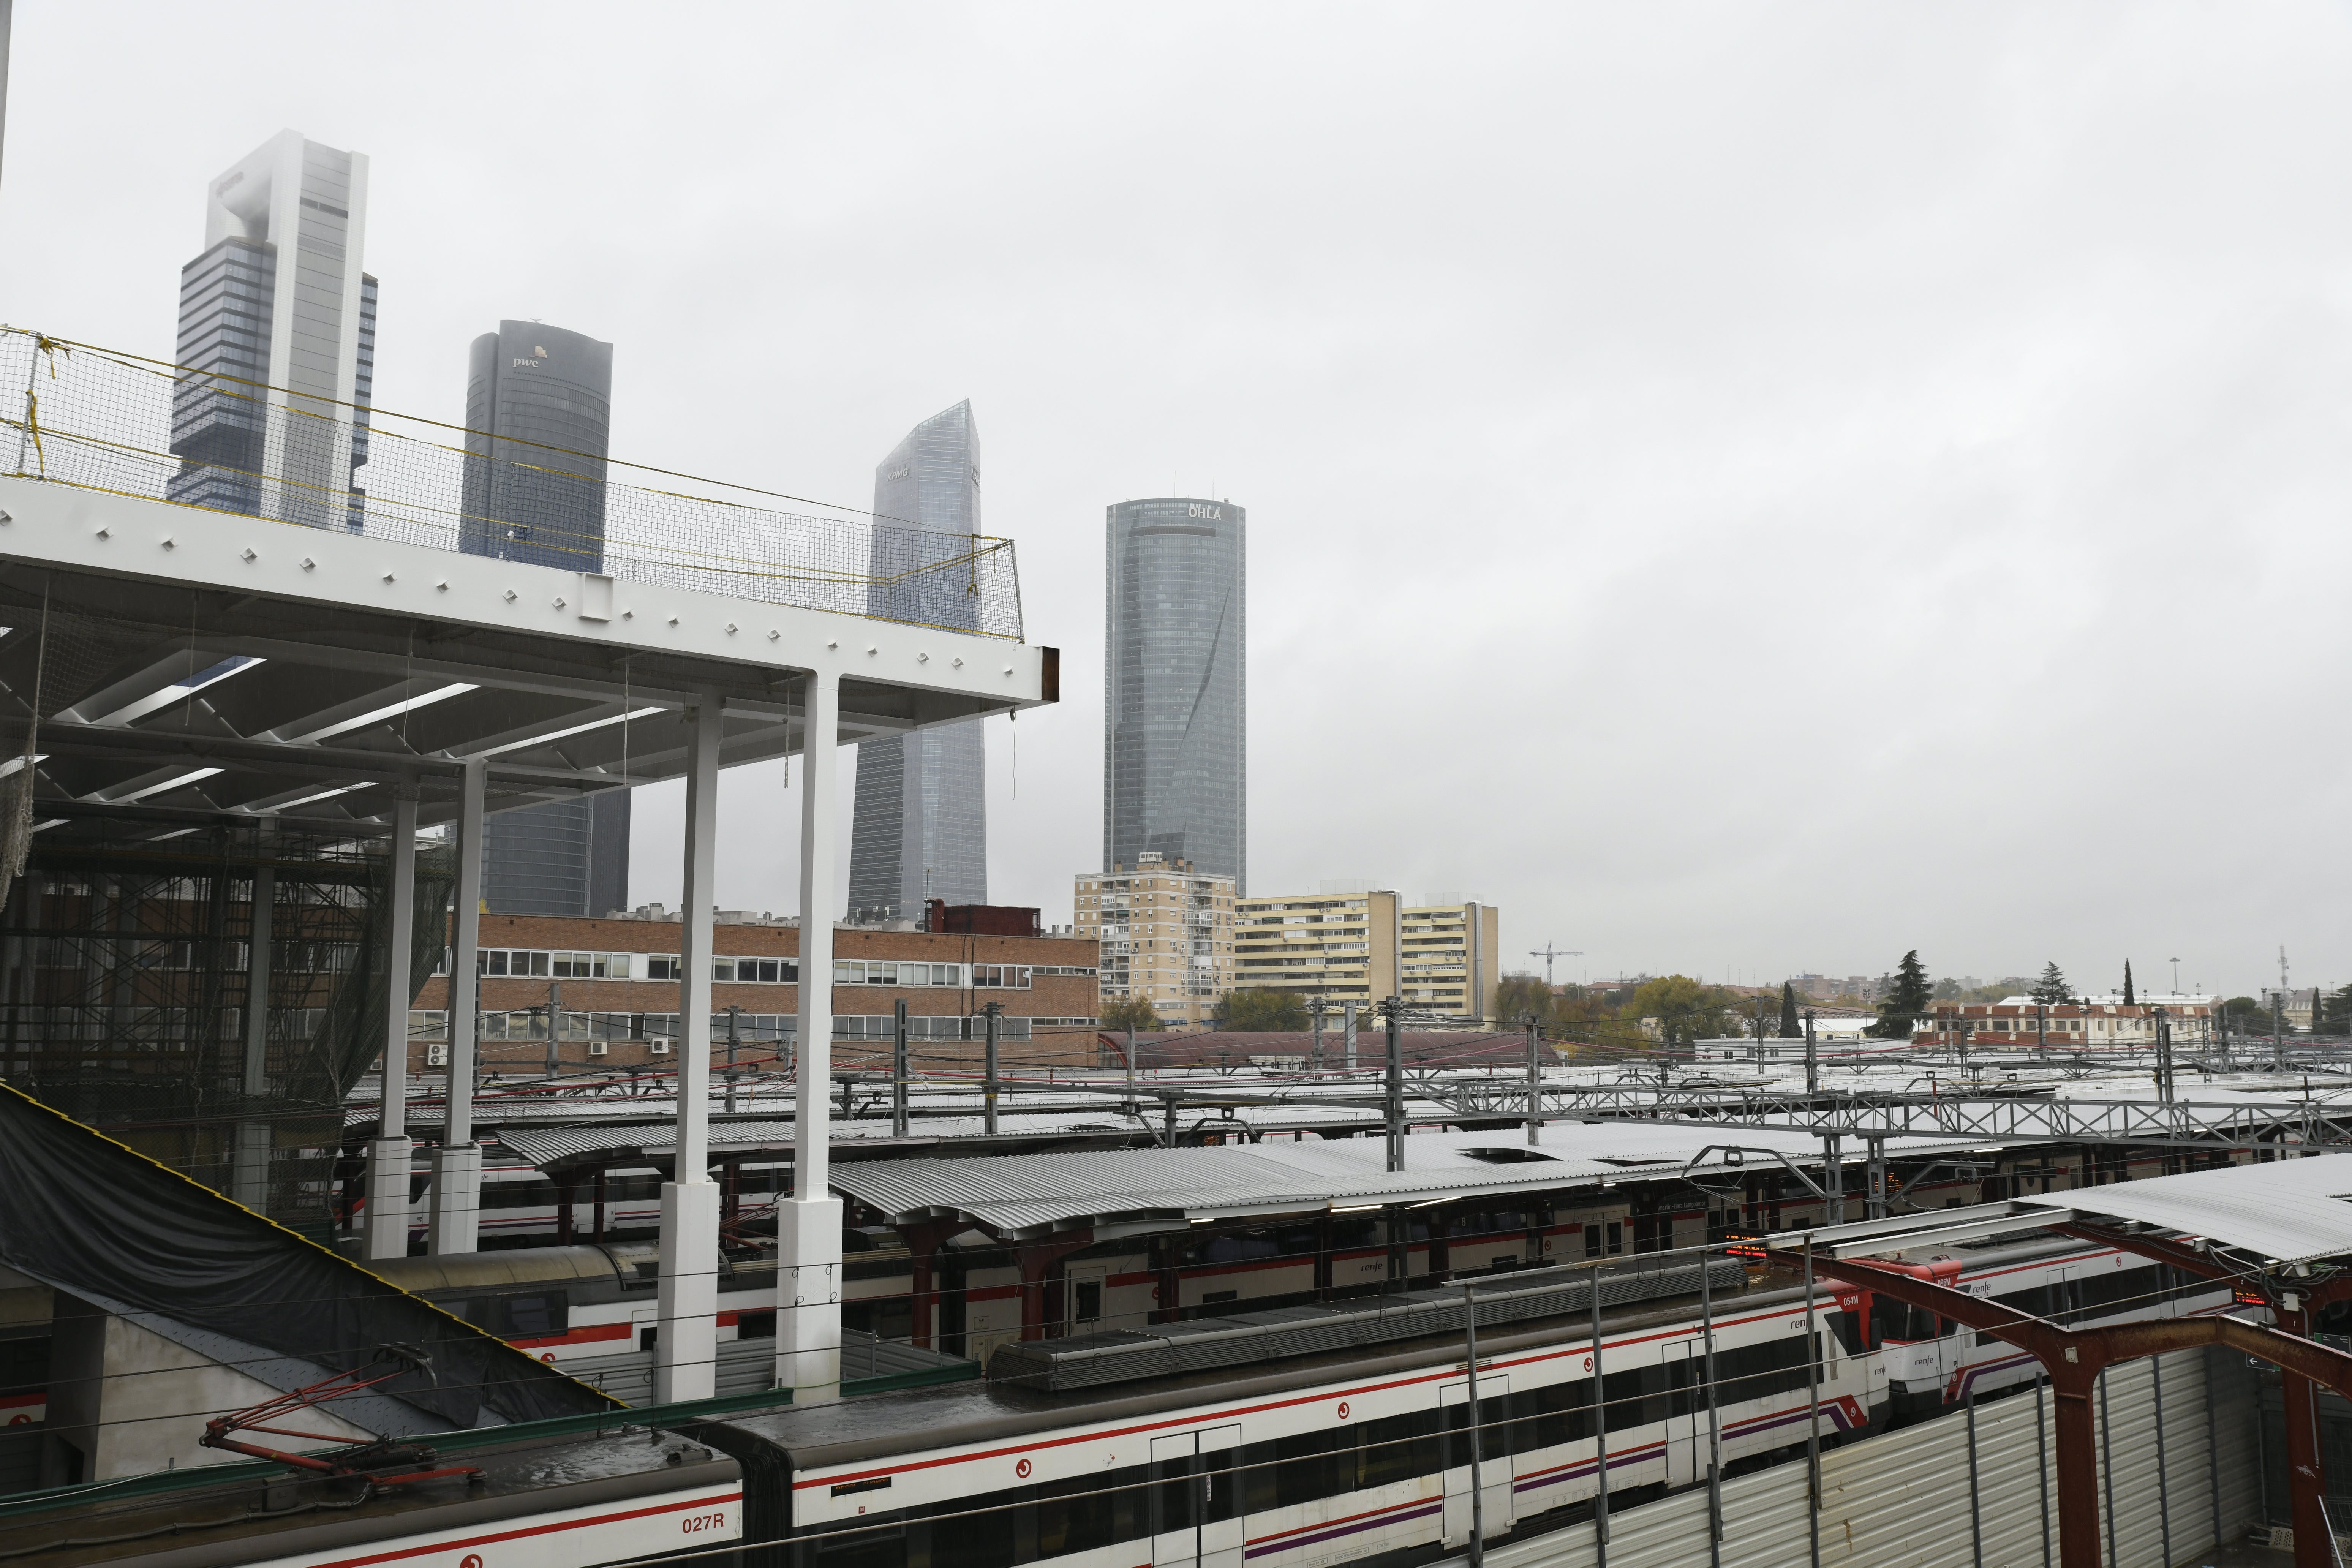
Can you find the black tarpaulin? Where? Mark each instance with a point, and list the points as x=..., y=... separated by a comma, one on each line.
x=85, y=1214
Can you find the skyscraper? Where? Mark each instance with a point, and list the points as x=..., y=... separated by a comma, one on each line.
x=1175, y=708
x=921, y=826
x=538, y=408
x=279, y=310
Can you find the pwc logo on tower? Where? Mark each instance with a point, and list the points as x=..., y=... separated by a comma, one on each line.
x=533, y=364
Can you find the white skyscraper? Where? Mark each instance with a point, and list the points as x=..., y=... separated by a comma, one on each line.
x=279, y=310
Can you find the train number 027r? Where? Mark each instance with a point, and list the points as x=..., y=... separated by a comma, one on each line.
x=694, y=1524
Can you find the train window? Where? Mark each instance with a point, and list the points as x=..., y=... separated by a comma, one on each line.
x=1308, y=1467
x=1564, y=1413
x=862, y=1544
x=1760, y=1371
x=532, y=1317
x=1385, y=1452
x=1636, y=1397
x=1083, y=1515
x=1088, y=1308
x=1892, y=1323
x=1847, y=1326
x=983, y=1539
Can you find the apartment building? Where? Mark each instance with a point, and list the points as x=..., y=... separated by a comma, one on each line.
x=1440, y=958
x=1450, y=958
x=1341, y=947
x=612, y=986
x=1164, y=931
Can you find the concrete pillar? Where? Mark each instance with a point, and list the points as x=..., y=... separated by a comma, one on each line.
x=685, y=1350
x=389, y=1156
x=456, y=1224
x=808, y=1224
x=250, y=1183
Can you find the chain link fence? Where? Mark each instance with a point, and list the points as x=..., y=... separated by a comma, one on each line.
x=102, y=420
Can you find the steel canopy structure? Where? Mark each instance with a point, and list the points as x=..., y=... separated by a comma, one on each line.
x=169, y=669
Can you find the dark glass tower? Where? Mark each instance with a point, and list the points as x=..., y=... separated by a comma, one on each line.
x=538, y=405
x=922, y=825
x=538, y=414
x=1175, y=705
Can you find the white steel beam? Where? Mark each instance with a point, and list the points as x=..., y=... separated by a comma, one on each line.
x=458, y=1163
x=685, y=1347
x=808, y=1225
x=389, y=1155
x=59, y=525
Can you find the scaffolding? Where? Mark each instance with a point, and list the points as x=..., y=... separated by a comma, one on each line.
x=128, y=978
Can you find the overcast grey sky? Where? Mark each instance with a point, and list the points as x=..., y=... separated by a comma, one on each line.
x=1745, y=488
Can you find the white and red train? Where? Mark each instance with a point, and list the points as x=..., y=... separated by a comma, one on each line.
x=1357, y=1454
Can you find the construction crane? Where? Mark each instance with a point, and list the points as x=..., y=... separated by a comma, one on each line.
x=1547, y=952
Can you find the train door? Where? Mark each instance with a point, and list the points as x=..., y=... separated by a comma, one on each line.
x=2065, y=1286
x=1493, y=1456
x=1686, y=1413
x=1196, y=1516
x=1089, y=1286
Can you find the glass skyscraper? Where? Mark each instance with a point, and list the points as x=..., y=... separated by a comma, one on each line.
x=279, y=311
x=539, y=409
x=1175, y=704
x=921, y=823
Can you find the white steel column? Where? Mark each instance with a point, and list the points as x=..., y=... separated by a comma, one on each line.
x=686, y=1348
x=389, y=1155
x=458, y=1163
x=254, y=1138
x=808, y=1226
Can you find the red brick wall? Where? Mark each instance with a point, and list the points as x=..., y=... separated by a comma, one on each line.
x=1049, y=995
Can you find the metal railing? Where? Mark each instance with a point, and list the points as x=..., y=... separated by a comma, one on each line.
x=96, y=419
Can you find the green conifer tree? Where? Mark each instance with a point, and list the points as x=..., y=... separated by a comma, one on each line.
x=1791, y=1029
x=2052, y=987
x=2128, y=984
x=1907, y=1000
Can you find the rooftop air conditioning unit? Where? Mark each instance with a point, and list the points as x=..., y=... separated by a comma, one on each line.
x=596, y=1047
x=660, y=1046
x=437, y=1056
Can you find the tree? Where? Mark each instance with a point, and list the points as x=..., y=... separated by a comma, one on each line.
x=2334, y=1013
x=2052, y=987
x=2128, y=984
x=1791, y=1027
x=1516, y=997
x=1130, y=1013
x=1906, y=998
x=2246, y=1016
x=1685, y=1009
x=1260, y=1009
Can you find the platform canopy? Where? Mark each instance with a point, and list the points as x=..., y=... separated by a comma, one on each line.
x=2280, y=1213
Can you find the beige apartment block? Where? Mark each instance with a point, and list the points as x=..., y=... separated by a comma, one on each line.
x=1442, y=959
x=1451, y=956
x=1166, y=932
x=1341, y=947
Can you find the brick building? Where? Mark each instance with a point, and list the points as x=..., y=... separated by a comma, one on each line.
x=613, y=985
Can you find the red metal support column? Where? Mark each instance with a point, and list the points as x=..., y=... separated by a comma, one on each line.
x=2306, y=1469
x=2306, y=1477
x=923, y=1242
x=2075, y=1357
x=1036, y=1259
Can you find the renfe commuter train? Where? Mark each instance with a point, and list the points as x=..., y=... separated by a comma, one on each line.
x=1359, y=1453
x=1350, y=1451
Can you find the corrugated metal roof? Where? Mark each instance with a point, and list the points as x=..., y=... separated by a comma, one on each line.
x=2295, y=1211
